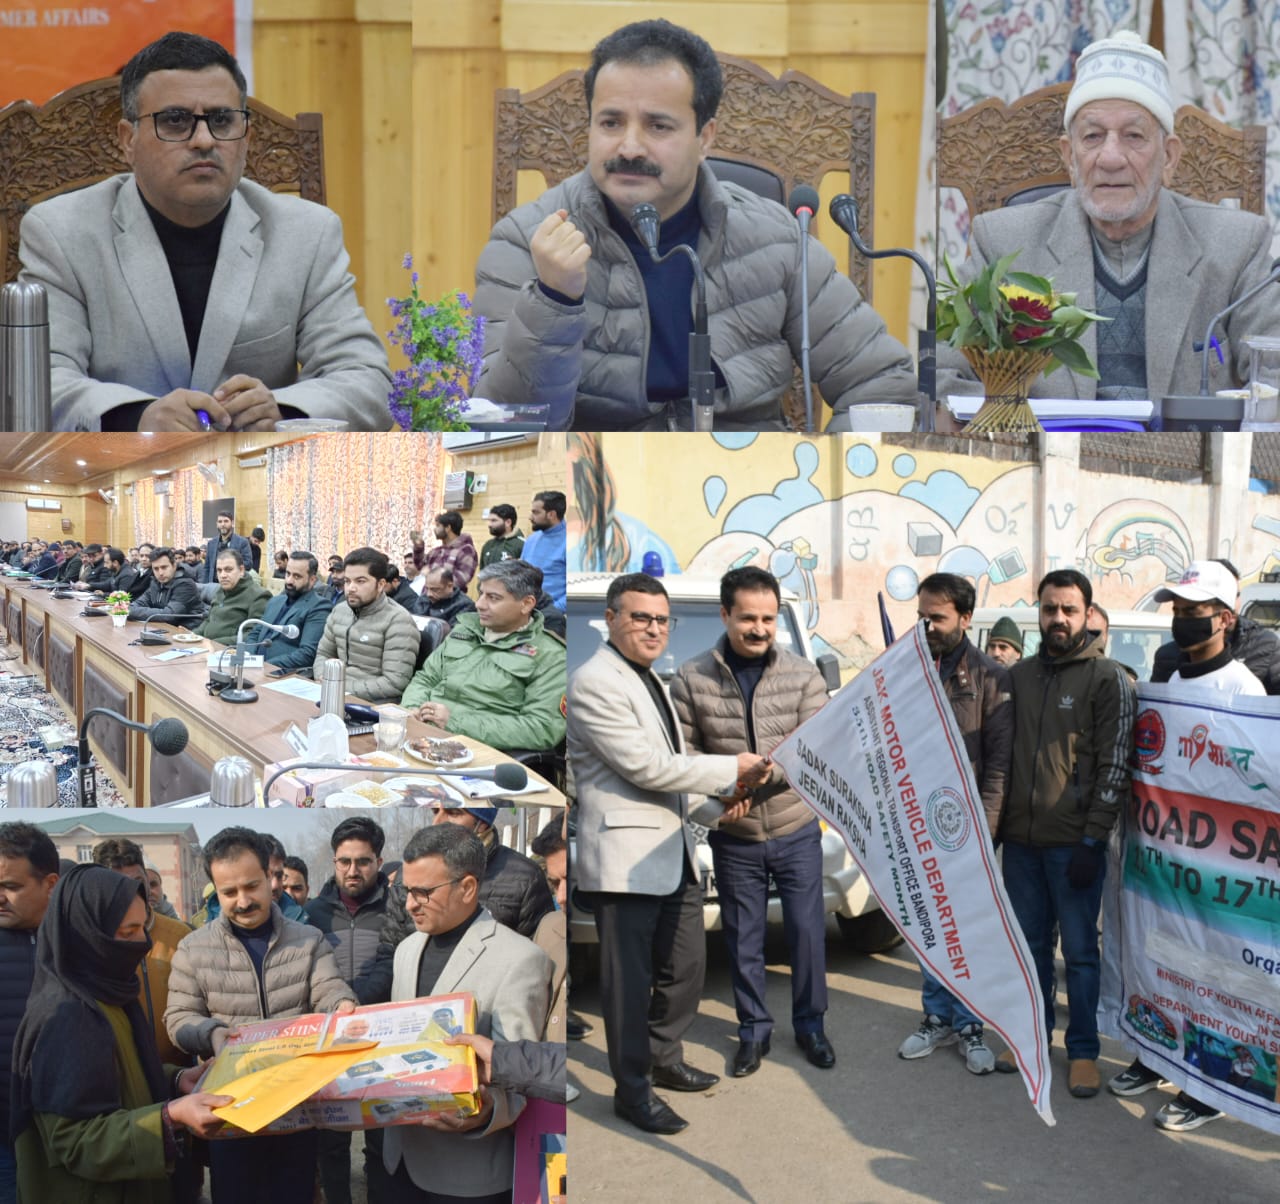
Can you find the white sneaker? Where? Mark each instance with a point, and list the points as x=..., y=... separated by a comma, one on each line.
x=978, y=1059
x=931, y=1034
x=571, y=1093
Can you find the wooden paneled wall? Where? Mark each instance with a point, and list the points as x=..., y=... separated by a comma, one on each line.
x=516, y=471
x=463, y=52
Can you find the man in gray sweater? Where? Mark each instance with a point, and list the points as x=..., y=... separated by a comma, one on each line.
x=376, y=639
x=746, y=694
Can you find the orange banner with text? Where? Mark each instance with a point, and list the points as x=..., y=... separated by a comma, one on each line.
x=47, y=46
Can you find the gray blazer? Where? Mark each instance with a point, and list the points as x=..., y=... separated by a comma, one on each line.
x=1202, y=258
x=631, y=781
x=510, y=978
x=281, y=296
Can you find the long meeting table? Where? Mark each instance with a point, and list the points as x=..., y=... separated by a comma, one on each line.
x=87, y=662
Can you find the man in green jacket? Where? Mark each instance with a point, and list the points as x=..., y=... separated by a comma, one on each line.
x=508, y=540
x=239, y=597
x=499, y=677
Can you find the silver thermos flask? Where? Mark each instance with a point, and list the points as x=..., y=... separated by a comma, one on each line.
x=333, y=688
x=231, y=783
x=24, y=358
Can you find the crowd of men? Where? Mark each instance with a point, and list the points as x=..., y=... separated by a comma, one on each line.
x=1048, y=736
x=489, y=664
x=154, y=998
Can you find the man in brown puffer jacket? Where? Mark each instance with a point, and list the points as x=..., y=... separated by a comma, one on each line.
x=745, y=694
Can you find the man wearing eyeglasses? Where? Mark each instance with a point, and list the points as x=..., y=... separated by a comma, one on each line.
x=183, y=297
x=635, y=851
x=349, y=911
x=458, y=946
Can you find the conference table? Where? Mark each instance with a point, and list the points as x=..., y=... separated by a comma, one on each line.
x=86, y=662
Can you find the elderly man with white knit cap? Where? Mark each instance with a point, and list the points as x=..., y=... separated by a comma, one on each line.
x=1156, y=263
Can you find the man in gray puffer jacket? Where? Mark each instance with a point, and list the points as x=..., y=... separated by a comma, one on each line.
x=376, y=639
x=580, y=318
x=747, y=694
x=251, y=964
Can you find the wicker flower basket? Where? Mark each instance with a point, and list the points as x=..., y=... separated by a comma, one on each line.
x=1006, y=379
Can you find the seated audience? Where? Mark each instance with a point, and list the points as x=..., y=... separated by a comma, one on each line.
x=169, y=594
x=301, y=604
x=441, y=597
x=238, y=599
x=499, y=677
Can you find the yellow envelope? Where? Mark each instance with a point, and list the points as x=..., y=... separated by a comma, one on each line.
x=266, y=1095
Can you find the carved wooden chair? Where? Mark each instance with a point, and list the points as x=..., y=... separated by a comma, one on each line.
x=70, y=142
x=771, y=134
x=999, y=154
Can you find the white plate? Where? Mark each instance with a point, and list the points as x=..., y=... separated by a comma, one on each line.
x=467, y=757
x=187, y=637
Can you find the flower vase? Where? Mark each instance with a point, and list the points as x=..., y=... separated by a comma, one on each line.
x=119, y=620
x=1006, y=378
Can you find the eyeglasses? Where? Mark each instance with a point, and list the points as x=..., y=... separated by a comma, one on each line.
x=345, y=863
x=179, y=125
x=639, y=619
x=423, y=893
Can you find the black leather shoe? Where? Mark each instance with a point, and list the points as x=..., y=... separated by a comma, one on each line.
x=653, y=1116
x=747, y=1060
x=575, y=1028
x=817, y=1049
x=680, y=1076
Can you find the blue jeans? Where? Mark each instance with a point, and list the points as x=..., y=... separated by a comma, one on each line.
x=1036, y=880
x=743, y=869
x=938, y=1001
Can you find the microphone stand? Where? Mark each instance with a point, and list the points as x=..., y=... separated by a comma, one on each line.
x=844, y=212
x=702, y=378
x=399, y=771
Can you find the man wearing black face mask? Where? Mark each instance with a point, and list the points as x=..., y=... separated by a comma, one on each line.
x=1202, y=624
x=1073, y=736
x=303, y=606
x=1253, y=645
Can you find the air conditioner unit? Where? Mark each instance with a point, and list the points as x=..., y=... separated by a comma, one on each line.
x=253, y=462
x=163, y=487
x=457, y=490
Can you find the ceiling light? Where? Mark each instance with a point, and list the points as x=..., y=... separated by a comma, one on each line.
x=81, y=463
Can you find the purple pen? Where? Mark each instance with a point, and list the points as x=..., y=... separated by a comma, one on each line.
x=205, y=424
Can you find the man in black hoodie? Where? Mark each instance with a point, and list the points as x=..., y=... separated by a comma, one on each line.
x=28, y=873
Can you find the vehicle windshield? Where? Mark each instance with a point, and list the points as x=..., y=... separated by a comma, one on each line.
x=698, y=627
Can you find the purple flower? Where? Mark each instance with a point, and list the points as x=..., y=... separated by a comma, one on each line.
x=407, y=263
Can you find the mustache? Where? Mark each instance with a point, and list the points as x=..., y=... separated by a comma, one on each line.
x=635, y=167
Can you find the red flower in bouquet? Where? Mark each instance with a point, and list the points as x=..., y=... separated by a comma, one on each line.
x=1035, y=310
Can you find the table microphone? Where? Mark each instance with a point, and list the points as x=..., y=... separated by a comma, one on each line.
x=154, y=639
x=844, y=212
x=168, y=737
x=238, y=693
x=702, y=379
x=508, y=775
x=803, y=203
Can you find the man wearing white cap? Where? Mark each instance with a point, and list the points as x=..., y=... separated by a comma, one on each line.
x=1156, y=264
x=1203, y=603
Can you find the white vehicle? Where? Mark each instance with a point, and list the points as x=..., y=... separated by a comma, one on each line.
x=695, y=603
x=1134, y=637
x=1261, y=602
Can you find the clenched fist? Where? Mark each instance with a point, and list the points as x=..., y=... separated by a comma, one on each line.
x=560, y=253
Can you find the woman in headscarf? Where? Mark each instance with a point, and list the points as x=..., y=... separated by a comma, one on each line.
x=93, y=1119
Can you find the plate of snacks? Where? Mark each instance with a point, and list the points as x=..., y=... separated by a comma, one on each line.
x=442, y=752
x=187, y=637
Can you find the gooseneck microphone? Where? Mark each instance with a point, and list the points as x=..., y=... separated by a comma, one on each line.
x=803, y=203
x=702, y=379
x=1207, y=345
x=844, y=212
x=239, y=693
x=168, y=737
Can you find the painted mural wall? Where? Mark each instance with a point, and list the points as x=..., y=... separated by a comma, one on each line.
x=839, y=520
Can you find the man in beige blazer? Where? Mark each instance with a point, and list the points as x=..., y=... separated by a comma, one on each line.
x=635, y=852
x=459, y=946
x=181, y=294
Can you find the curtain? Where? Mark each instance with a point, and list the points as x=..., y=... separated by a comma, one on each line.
x=187, y=495
x=334, y=493
x=148, y=517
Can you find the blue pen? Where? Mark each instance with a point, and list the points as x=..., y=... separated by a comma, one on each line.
x=206, y=425
x=1213, y=342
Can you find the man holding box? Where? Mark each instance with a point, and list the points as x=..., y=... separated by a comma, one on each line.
x=459, y=946
x=248, y=964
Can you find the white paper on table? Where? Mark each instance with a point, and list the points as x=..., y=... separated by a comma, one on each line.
x=484, y=788
x=221, y=660
x=296, y=687
x=175, y=654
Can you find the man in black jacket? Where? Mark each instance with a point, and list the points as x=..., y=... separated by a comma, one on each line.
x=100, y=574
x=514, y=891
x=169, y=594
x=28, y=872
x=441, y=597
x=1258, y=647
x=978, y=689
x=142, y=582
x=349, y=911
x=123, y=574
